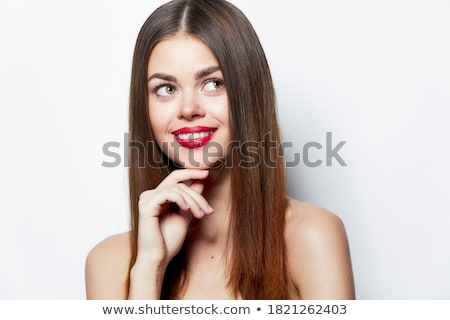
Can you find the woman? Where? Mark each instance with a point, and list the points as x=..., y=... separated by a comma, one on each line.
x=210, y=215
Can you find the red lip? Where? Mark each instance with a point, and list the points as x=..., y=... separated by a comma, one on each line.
x=193, y=130
x=192, y=142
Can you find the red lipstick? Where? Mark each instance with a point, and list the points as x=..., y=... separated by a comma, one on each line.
x=194, y=137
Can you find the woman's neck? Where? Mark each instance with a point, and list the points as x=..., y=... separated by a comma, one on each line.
x=214, y=228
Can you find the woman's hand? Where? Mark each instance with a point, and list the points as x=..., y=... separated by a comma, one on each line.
x=162, y=230
x=164, y=216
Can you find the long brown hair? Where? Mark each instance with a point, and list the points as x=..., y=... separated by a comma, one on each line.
x=258, y=260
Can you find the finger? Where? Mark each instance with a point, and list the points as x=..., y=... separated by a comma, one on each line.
x=152, y=203
x=199, y=201
x=184, y=175
x=196, y=204
x=179, y=195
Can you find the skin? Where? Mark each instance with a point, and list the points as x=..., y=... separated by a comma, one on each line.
x=317, y=248
x=187, y=90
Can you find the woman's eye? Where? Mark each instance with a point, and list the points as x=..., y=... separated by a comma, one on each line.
x=213, y=85
x=166, y=90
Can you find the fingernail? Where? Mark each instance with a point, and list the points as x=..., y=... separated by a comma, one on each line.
x=209, y=209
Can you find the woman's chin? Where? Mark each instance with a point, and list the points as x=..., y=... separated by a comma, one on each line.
x=204, y=166
x=209, y=164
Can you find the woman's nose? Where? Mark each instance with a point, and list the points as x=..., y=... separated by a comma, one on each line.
x=190, y=107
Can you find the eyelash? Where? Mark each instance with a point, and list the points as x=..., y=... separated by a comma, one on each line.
x=167, y=84
x=215, y=80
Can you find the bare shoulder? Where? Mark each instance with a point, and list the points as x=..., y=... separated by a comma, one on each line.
x=318, y=252
x=312, y=220
x=106, y=268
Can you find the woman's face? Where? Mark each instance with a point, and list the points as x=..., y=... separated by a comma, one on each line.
x=188, y=102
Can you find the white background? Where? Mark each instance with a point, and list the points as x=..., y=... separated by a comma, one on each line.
x=374, y=73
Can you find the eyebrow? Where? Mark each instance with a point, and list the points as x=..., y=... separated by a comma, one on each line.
x=162, y=76
x=206, y=72
x=198, y=75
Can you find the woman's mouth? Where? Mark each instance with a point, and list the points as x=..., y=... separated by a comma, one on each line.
x=194, y=137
